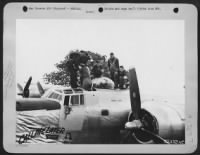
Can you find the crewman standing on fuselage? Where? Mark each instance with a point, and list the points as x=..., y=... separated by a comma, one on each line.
x=113, y=64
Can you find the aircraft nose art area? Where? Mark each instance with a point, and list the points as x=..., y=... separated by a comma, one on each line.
x=102, y=111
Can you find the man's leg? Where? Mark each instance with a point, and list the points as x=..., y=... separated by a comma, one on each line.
x=120, y=82
x=112, y=76
x=87, y=84
x=73, y=79
x=116, y=79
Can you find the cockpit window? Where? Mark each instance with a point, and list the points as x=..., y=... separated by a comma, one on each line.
x=58, y=90
x=74, y=97
x=75, y=100
x=66, y=101
x=56, y=96
x=79, y=98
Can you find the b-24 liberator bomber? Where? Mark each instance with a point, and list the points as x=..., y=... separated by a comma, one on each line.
x=110, y=116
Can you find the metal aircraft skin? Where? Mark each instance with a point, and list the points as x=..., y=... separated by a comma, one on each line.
x=107, y=116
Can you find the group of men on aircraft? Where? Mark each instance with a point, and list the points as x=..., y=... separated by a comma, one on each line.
x=78, y=63
x=117, y=73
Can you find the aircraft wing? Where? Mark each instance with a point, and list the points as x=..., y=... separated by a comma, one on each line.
x=36, y=104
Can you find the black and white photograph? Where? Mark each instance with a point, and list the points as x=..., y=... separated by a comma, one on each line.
x=86, y=76
x=100, y=80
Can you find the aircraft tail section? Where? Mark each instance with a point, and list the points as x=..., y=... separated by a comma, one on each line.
x=40, y=88
x=20, y=88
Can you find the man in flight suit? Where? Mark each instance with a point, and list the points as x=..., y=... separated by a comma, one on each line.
x=113, y=64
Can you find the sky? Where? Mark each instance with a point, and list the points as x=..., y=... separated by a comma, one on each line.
x=154, y=47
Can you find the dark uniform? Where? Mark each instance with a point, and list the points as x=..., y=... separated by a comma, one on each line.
x=113, y=64
x=72, y=65
x=85, y=79
x=122, y=80
x=96, y=71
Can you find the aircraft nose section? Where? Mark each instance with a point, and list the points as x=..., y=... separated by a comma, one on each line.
x=135, y=124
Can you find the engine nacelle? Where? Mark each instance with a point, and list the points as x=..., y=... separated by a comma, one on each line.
x=163, y=120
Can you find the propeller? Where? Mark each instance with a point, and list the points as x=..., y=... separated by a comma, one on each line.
x=25, y=92
x=136, y=127
x=134, y=94
x=135, y=100
x=40, y=88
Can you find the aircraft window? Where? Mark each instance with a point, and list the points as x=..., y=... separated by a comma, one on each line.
x=82, y=99
x=66, y=101
x=58, y=90
x=47, y=94
x=81, y=96
x=54, y=96
x=75, y=100
x=68, y=91
x=51, y=95
x=78, y=89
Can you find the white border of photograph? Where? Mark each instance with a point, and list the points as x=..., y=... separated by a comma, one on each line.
x=13, y=11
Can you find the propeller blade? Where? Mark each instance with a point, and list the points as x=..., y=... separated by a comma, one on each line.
x=20, y=88
x=136, y=126
x=134, y=93
x=28, y=83
x=40, y=88
x=156, y=138
x=142, y=136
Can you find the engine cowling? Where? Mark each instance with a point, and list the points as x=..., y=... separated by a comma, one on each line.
x=161, y=119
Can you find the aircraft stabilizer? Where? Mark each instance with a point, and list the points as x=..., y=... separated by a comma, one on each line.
x=40, y=88
x=20, y=89
x=25, y=92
